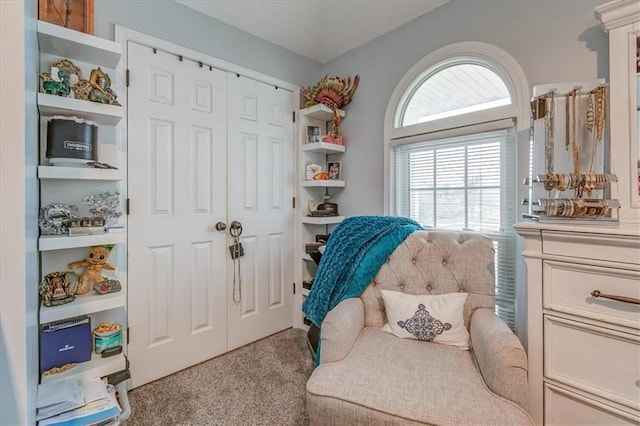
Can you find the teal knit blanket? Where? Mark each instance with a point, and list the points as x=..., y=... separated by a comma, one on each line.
x=353, y=256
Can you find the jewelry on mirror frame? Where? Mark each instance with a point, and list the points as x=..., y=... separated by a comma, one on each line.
x=549, y=122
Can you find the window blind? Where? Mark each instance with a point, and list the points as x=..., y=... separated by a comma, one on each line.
x=465, y=183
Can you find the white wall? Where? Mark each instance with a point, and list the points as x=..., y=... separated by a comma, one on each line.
x=18, y=214
x=179, y=24
x=553, y=41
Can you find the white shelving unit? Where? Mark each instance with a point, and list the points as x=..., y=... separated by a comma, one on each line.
x=77, y=173
x=50, y=105
x=68, y=185
x=97, y=367
x=83, y=47
x=324, y=184
x=62, y=242
x=309, y=226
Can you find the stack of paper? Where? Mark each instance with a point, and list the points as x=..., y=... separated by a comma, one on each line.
x=75, y=402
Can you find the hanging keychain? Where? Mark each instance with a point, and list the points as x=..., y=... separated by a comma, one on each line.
x=237, y=251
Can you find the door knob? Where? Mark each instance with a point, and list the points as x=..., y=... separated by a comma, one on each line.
x=221, y=226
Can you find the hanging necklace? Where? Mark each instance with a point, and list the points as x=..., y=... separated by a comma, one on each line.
x=549, y=122
x=596, y=117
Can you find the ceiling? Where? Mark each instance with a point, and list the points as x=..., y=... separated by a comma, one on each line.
x=321, y=30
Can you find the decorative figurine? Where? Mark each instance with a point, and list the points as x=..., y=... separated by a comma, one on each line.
x=94, y=263
x=101, y=88
x=56, y=82
x=58, y=288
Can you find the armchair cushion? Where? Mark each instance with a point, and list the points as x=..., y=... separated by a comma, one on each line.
x=501, y=357
x=388, y=380
x=431, y=318
x=340, y=329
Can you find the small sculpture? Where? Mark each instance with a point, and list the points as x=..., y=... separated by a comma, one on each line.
x=101, y=88
x=56, y=82
x=94, y=263
x=105, y=205
x=58, y=288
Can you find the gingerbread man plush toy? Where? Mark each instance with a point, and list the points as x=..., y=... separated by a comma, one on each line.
x=94, y=263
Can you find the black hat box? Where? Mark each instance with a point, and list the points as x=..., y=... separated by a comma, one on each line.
x=71, y=141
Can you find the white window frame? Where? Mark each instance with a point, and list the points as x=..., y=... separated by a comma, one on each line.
x=513, y=76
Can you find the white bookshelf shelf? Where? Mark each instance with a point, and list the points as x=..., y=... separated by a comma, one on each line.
x=82, y=173
x=327, y=183
x=96, y=367
x=57, y=40
x=320, y=112
x=50, y=105
x=60, y=242
x=328, y=220
x=323, y=148
x=84, y=304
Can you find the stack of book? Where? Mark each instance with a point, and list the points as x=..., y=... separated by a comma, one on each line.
x=75, y=402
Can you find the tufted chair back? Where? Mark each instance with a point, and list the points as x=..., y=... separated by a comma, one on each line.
x=436, y=262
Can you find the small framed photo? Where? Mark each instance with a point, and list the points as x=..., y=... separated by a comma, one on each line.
x=334, y=170
x=313, y=134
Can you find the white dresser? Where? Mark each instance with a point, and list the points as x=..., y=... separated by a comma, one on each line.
x=584, y=351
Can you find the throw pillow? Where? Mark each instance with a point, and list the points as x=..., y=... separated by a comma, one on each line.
x=438, y=318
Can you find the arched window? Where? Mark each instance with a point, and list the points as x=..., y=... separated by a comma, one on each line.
x=450, y=150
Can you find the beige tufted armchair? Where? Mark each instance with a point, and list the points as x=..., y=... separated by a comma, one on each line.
x=368, y=376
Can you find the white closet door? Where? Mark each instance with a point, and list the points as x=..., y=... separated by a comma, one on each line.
x=260, y=192
x=177, y=186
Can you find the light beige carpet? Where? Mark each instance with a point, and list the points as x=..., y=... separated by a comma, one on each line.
x=262, y=383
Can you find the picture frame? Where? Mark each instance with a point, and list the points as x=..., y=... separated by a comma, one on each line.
x=313, y=134
x=73, y=14
x=334, y=170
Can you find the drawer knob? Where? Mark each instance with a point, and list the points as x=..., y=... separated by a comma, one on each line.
x=597, y=293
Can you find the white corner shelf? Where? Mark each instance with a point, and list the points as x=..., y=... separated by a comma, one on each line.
x=50, y=105
x=84, y=304
x=71, y=44
x=60, y=242
x=82, y=173
x=323, y=148
x=327, y=220
x=320, y=112
x=96, y=367
x=324, y=183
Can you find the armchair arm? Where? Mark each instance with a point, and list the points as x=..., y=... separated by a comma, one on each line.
x=340, y=329
x=500, y=355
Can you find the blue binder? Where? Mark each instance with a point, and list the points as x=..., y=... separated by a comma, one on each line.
x=64, y=342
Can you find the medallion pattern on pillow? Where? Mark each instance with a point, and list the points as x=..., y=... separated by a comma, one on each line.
x=438, y=319
x=424, y=326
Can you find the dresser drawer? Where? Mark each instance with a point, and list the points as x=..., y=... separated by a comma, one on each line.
x=567, y=408
x=612, y=248
x=600, y=361
x=568, y=286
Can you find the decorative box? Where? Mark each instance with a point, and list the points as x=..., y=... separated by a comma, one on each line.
x=71, y=141
x=65, y=342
